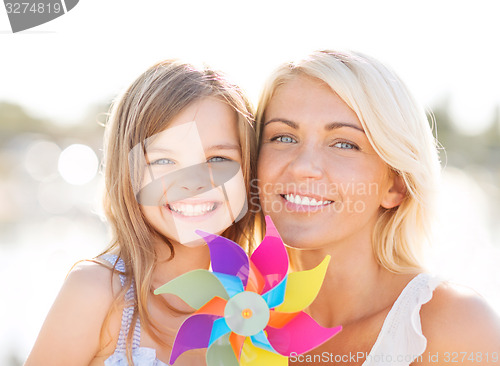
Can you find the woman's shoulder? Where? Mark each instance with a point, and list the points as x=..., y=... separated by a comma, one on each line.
x=457, y=319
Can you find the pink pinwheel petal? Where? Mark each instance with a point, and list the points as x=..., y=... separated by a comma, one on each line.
x=194, y=333
x=300, y=335
x=271, y=257
x=226, y=256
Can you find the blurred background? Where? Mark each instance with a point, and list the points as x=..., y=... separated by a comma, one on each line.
x=58, y=80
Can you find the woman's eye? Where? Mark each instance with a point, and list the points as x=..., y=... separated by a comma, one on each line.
x=345, y=145
x=284, y=139
x=162, y=161
x=216, y=159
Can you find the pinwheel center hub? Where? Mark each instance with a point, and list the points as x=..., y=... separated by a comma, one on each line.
x=246, y=313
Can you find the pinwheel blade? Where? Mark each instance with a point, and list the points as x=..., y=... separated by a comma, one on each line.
x=220, y=353
x=218, y=330
x=232, y=284
x=196, y=288
x=278, y=320
x=215, y=306
x=303, y=287
x=276, y=295
x=271, y=257
x=260, y=340
x=226, y=256
x=300, y=335
x=194, y=333
x=256, y=356
x=237, y=341
x=255, y=282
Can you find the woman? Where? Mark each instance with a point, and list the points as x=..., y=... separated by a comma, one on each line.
x=348, y=167
x=179, y=154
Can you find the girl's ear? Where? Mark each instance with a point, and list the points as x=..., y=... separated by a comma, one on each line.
x=396, y=192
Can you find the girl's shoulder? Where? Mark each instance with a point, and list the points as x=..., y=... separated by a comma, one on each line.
x=77, y=316
x=99, y=275
x=457, y=320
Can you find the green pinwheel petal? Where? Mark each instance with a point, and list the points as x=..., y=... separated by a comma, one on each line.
x=221, y=353
x=196, y=288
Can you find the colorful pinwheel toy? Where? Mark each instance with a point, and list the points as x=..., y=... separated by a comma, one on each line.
x=249, y=310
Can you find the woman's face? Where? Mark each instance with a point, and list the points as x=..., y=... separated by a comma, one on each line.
x=192, y=177
x=320, y=179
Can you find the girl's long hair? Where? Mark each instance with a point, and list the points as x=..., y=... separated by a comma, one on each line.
x=145, y=109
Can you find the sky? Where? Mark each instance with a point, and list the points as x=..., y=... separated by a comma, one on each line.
x=442, y=49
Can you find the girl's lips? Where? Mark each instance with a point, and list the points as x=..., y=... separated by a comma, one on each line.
x=193, y=210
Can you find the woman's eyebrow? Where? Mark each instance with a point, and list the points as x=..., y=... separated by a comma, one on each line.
x=335, y=125
x=292, y=124
x=328, y=127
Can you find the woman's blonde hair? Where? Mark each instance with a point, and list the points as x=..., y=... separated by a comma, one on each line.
x=398, y=130
x=145, y=109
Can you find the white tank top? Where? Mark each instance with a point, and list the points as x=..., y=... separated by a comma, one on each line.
x=400, y=341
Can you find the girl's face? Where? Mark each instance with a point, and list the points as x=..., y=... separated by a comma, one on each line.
x=320, y=179
x=191, y=174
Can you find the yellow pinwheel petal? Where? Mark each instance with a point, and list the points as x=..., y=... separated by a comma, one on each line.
x=256, y=356
x=303, y=287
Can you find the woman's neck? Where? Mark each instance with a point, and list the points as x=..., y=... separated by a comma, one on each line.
x=354, y=283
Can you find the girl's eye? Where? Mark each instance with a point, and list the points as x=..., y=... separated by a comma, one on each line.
x=345, y=145
x=162, y=161
x=284, y=139
x=217, y=159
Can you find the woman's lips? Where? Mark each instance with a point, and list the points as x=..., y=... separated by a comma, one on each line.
x=305, y=200
x=304, y=203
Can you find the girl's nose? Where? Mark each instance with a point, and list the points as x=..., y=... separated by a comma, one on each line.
x=195, y=179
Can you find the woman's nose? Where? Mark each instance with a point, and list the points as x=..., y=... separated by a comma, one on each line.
x=307, y=163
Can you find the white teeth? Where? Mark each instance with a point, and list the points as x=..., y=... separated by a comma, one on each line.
x=192, y=210
x=307, y=201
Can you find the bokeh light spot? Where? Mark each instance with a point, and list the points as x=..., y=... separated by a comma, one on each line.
x=78, y=164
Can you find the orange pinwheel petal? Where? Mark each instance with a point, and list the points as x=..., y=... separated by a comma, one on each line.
x=278, y=319
x=236, y=341
x=215, y=306
x=256, y=281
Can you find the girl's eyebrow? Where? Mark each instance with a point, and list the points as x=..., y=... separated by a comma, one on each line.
x=227, y=146
x=150, y=150
x=214, y=147
x=328, y=127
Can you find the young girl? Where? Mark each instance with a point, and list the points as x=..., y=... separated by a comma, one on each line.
x=179, y=152
x=348, y=167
